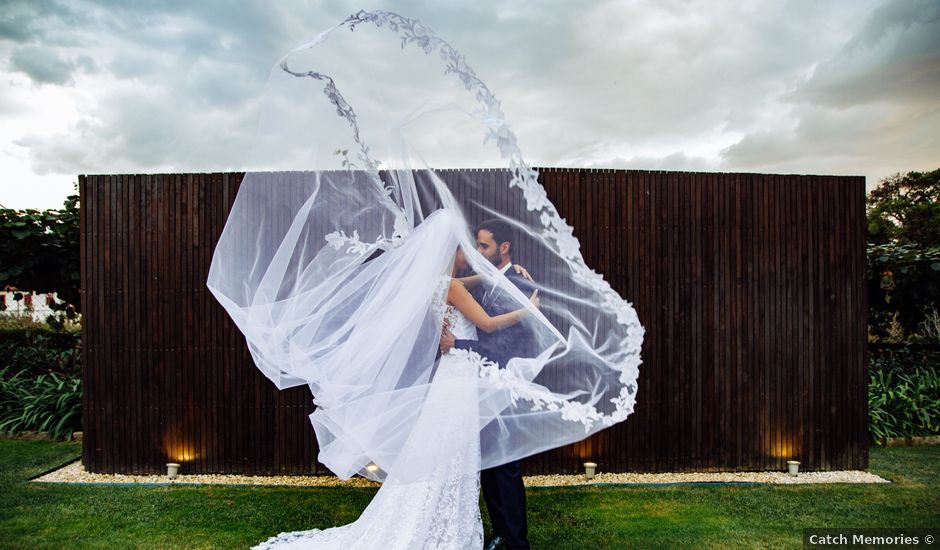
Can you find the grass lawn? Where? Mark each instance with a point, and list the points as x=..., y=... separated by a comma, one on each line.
x=736, y=516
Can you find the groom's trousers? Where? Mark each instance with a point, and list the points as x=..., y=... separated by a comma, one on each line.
x=504, y=494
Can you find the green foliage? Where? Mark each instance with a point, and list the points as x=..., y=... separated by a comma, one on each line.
x=39, y=251
x=904, y=288
x=903, y=403
x=40, y=380
x=905, y=209
x=41, y=351
x=905, y=358
x=903, y=256
x=48, y=403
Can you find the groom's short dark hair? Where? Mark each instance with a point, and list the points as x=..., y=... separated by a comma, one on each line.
x=502, y=231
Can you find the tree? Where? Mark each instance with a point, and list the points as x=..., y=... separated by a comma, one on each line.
x=906, y=209
x=904, y=250
x=39, y=250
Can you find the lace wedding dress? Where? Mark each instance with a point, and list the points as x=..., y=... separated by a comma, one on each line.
x=442, y=509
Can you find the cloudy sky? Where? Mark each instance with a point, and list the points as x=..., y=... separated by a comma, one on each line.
x=833, y=87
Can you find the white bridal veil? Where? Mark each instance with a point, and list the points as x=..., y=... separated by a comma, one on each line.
x=335, y=257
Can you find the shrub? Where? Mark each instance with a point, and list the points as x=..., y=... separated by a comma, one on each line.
x=48, y=403
x=39, y=350
x=903, y=404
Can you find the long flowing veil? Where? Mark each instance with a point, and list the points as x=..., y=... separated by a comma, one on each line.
x=335, y=257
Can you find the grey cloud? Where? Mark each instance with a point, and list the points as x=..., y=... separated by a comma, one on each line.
x=44, y=65
x=820, y=132
x=143, y=129
x=51, y=21
x=857, y=140
x=641, y=73
x=16, y=27
x=872, y=107
x=674, y=161
x=895, y=57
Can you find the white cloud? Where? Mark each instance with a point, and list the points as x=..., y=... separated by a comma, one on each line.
x=800, y=86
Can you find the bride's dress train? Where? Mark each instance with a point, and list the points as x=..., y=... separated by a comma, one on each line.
x=440, y=509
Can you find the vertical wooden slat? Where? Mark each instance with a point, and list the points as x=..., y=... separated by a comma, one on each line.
x=94, y=319
x=131, y=305
x=802, y=329
x=740, y=313
x=763, y=242
x=709, y=323
x=751, y=357
x=108, y=374
x=861, y=388
x=123, y=433
x=782, y=395
x=83, y=242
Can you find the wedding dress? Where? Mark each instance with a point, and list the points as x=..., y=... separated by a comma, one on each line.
x=438, y=511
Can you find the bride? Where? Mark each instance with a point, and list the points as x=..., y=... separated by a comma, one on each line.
x=339, y=269
x=440, y=509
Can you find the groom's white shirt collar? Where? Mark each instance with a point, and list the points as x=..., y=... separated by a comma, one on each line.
x=505, y=268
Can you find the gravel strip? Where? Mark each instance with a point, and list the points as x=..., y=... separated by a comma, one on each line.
x=838, y=476
x=75, y=473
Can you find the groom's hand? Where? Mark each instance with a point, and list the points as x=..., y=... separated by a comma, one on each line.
x=447, y=341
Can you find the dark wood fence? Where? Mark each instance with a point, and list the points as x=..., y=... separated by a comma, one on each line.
x=751, y=288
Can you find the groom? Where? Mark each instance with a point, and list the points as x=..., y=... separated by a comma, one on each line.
x=502, y=486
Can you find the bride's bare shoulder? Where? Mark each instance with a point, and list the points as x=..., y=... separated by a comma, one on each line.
x=456, y=289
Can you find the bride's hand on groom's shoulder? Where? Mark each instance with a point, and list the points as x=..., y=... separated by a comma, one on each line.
x=522, y=271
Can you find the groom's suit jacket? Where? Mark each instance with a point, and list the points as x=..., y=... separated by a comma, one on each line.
x=513, y=341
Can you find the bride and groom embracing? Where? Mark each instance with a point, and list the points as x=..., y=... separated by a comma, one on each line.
x=359, y=320
x=432, y=499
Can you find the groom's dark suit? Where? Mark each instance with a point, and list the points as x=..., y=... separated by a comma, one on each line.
x=502, y=487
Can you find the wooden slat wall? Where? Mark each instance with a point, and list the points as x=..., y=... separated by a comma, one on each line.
x=750, y=287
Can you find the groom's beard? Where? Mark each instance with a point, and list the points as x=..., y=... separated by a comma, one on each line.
x=496, y=259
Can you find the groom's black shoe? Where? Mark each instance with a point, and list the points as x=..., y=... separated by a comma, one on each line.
x=496, y=542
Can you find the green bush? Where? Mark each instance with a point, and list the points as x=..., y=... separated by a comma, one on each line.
x=903, y=404
x=39, y=250
x=903, y=357
x=39, y=350
x=40, y=378
x=48, y=403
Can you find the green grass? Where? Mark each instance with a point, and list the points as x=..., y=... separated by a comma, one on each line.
x=38, y=516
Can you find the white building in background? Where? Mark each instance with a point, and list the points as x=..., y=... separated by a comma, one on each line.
x=34, y=304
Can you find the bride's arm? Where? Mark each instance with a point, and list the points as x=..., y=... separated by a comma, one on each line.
x=470, y=281
x=464, y=302
x=474, y=280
